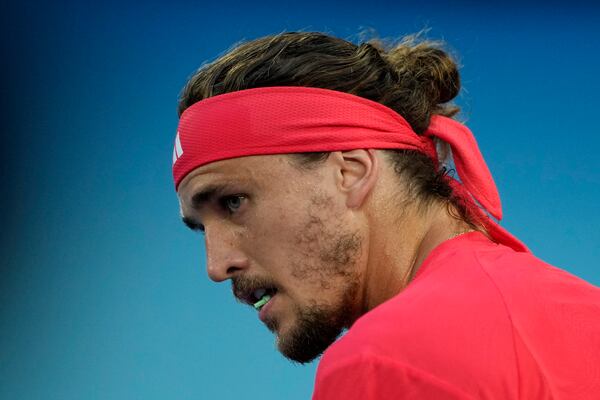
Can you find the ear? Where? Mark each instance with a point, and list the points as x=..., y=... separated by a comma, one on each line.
x=358, y=172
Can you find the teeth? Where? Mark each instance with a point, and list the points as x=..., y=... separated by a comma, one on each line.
x=259, y=293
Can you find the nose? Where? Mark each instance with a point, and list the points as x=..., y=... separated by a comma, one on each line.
x=224, y=258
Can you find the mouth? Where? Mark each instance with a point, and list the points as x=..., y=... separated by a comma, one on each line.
x=255, y=296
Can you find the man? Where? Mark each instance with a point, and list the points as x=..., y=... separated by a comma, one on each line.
x=315, y=169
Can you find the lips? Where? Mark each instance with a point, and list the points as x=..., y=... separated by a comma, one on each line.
x=250, y=294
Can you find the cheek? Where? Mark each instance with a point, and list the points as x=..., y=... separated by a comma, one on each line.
x=272, y=236
x=309, y=241
x=328, y=260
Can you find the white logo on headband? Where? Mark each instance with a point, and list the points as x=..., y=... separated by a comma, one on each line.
x=177, y=151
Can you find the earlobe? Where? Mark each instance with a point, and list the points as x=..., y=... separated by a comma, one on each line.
x=358, y=174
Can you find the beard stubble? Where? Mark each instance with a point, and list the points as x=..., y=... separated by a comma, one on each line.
x=337, y=250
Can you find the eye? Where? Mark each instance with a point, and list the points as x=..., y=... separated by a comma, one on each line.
x=193, y=225
x=232, y=203
x=196, y=227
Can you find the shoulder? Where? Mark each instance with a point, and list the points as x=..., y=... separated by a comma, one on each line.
x=481, y=318
x=438, y=332
x=556, y=321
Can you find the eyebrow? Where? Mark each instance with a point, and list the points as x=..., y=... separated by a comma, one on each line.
x=207, y=193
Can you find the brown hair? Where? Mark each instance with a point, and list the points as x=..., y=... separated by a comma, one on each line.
x=416, y=78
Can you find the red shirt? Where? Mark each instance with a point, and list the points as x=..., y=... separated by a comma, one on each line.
x=479, y=321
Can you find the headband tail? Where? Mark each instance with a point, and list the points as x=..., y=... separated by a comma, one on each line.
x=477, y=181
x=493, y=229
x=470, y=166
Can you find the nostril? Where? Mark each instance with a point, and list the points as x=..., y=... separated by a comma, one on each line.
x=232, y=270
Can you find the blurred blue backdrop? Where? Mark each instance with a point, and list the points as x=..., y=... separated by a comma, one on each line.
x=103, y=293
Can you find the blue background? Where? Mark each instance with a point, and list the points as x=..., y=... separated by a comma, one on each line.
x=103, y=293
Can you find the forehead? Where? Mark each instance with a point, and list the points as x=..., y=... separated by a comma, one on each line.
x=252, y=170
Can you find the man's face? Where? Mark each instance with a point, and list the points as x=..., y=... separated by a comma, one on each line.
x=270, y=226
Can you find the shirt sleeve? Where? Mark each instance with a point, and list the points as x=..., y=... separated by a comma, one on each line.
x=372, y=377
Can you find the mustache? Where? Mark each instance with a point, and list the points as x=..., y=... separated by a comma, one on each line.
x=241, y=285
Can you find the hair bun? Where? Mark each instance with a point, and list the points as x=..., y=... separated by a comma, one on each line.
x=429, y=72
x=428, y=66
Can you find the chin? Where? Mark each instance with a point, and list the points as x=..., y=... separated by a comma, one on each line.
x=313, y=332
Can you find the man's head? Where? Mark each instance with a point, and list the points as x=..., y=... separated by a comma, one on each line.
x=329, y=235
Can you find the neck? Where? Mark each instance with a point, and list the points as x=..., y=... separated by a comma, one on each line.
x=398, y=253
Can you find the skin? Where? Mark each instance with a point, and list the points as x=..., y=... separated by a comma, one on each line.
x=330, y=238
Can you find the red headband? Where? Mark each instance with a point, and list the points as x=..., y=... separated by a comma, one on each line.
x=280, y=120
